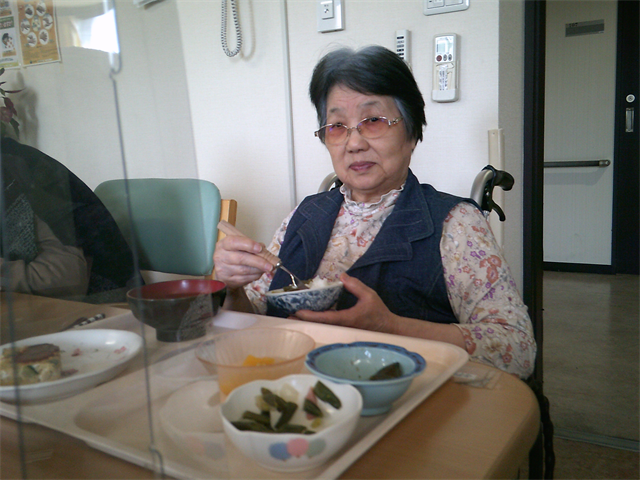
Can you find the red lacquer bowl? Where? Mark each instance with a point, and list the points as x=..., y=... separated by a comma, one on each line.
x=178, y=309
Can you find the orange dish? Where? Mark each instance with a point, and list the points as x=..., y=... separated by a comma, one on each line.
x=252, y=361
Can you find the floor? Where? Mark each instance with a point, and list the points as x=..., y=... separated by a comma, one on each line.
x=587, y=461
x=591, y=375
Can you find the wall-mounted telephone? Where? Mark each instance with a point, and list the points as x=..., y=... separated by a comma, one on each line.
x=445, y=68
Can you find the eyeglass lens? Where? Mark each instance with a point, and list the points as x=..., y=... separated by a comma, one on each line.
x=373, y=127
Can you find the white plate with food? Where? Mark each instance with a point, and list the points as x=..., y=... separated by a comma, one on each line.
x=65, y=363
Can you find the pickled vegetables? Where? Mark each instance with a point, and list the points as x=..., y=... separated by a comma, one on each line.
x=277, y=412
x=393, y=370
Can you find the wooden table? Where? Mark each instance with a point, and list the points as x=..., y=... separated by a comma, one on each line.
x=459, y=431
x=33, y=315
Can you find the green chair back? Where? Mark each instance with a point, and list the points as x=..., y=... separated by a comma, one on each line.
x=173, y=222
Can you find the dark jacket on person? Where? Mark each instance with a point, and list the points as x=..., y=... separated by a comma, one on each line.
x=75, y=215
x=403, y=264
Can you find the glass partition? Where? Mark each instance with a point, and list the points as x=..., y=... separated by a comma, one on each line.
x=82, y=124
x=111, y=112
x=61, y=138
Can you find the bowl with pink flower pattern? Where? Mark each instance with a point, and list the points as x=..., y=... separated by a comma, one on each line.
x=282, y=431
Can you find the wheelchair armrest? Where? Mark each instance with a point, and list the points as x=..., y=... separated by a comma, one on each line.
x=483, y=185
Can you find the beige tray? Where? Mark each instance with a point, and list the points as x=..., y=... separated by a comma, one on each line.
x=114, y=417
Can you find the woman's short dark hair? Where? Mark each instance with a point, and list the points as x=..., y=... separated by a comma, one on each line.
x=372, y=70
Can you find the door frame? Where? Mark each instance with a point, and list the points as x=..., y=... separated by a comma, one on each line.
x=533, y=168
x=626, y=210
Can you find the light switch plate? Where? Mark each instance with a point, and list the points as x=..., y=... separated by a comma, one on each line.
x=434, y=7
x=327, y=9
x=326, y=22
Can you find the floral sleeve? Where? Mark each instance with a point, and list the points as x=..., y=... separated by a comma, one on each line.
x=484, y=297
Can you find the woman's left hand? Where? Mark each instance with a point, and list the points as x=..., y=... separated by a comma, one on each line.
x=369, y=313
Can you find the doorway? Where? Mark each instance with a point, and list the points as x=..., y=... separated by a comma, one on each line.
x=580, y=78
x=594, y=320
x=589, y=169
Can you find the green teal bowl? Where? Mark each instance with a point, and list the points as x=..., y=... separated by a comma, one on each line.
x=354, y=363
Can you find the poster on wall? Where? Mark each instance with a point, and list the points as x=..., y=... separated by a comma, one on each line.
x=38, y=33
x=9, y=57
x=5, y=8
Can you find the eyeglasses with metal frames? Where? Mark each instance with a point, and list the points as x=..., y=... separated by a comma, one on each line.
x=369, y=128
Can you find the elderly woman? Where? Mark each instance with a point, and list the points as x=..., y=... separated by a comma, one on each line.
x=414, y=261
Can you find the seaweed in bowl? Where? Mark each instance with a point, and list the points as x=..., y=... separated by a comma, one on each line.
x=380, y=371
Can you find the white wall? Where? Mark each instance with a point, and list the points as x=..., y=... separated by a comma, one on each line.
x=67, y=109
x=156, y=117
x=454, y=148
x=242, y=144
x=510, y=104
x=238, y=109
x=189, y=110
x=253, y=87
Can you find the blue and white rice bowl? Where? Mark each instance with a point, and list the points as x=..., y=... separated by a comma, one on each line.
x=354, y=363
x=320, y=296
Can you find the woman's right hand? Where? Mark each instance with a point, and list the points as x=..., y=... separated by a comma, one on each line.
x=236, y=262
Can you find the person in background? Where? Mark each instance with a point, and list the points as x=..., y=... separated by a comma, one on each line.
x=414, y=261
x=57, y=238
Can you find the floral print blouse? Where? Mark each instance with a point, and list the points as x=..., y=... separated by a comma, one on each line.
x=483, y=295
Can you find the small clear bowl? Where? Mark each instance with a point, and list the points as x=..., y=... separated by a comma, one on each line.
x=225, y=354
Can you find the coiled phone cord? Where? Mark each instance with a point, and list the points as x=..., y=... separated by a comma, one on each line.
x=236, y=21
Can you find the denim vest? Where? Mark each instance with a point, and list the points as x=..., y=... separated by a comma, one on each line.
x=403, y=264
